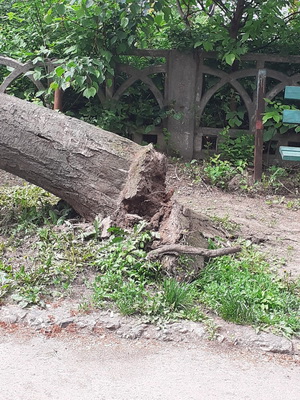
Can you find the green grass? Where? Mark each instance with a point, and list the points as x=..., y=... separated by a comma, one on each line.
x=23, y=208
x=137, y=286
x=244, y=290
x=41, y=258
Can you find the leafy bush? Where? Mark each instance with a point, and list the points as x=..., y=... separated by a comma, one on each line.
x=272, y=119
x=236, y=149
x=136, y=285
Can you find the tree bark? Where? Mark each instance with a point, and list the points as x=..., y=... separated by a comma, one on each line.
x=80, y=163
x=177, y=249
x=98, y=172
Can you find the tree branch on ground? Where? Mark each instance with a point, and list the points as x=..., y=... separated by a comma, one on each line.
x=177, y=249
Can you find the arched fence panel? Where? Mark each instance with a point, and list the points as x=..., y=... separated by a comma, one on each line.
x=19, y=69
x=185, y=90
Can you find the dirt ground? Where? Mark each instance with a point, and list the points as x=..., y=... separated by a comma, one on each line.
x=72, y=367
x=264, y=220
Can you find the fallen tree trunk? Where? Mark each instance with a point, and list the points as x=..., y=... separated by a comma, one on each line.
x=78, y=162
x=98, y=172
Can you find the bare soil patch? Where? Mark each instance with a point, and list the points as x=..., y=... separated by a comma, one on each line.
x=264, y=220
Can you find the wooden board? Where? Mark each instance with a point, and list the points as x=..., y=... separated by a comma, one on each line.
x=291, y=116
x=289, y=153
x=292, y=92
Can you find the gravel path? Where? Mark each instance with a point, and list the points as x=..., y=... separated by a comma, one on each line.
x=66, y=368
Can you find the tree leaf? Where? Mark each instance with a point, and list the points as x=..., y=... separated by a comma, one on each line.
x=39, y=93
x=61, y=9
x=89, y=92
x=89, y=3
x=229, y=58
x=158, y=19
x=48, y=17
x=59, y=71
x=149, y=128
x=198, y=44
x=268, y=134
x=124, y=22
x=54, y=85
x=207, y=46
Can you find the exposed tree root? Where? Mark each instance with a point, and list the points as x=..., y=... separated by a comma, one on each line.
x=177, y=249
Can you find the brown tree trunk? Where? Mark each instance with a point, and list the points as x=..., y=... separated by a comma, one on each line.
x=80, y=163
x=98, y=172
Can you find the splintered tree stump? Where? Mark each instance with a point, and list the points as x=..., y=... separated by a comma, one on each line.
x=102, y=174
x=144, y=193
x=181, y=231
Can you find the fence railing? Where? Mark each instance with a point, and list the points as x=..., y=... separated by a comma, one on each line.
x=186, y=77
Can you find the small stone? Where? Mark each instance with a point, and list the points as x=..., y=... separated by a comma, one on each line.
x=65, y=322
x=166, y=338
x=10, y=319
x=220, y=338
x=199, y=331
x=183, y=330
x=113, y=326
x=135, y=332
x=82, y=325
x=271, y=343
x=23, y=315
x=105, y=225
x=35, y=321
x=90, y=325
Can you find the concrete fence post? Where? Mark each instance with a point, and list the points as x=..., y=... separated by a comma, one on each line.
x=181, y=95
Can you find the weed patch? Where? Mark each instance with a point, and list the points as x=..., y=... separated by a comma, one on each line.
x=243, y=290
x=137, y=286
x=43, y=263
x=24, y=208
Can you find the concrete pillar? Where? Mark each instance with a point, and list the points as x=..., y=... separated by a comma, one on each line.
x=181, y=95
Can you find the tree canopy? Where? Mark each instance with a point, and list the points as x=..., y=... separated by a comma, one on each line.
x=87, y=37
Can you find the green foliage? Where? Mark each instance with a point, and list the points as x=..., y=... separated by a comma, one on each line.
x=273, y=176
x=48, y=271
x=272, y=119
x=126, y=254
x=214, y=171
x=87, y=38
x=177, y=296
x=236, y=149
x=218, y=172
x=24, y=208
x=193, y=170
x=52, y=257
x=135, y=285
x=127, y=116
x=234, y=28
x=47, y=261
x=243, y=290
